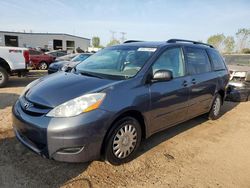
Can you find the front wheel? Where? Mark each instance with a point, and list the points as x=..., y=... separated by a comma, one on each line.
x=214, y=112
x=4, y=77
x=123, y=141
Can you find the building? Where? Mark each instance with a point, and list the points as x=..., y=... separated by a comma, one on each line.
x=50, y=41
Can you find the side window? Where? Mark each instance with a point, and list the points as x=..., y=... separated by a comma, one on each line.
x=171, y=59
x=33, y=52
x=197, y=60
x=217, y=61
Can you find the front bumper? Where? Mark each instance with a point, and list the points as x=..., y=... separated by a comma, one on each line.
x=74, y=139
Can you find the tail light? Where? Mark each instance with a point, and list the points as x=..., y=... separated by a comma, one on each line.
x=26, y=56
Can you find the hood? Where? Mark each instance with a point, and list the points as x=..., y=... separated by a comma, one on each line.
x=59, y=64
x=58, y=88
x=73, y=63
x=240, y=68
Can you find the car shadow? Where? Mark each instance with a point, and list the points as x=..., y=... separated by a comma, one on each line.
x=20, y=167
x=23, y=81
x=167, y=134
x=7, y=99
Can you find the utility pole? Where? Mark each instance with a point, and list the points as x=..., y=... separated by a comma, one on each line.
x=123, y=36
x=113, y=34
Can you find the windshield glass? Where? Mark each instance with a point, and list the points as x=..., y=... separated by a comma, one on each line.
x=80, y=57
x=122, y=63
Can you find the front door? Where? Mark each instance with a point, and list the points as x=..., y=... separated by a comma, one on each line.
x=169, y=99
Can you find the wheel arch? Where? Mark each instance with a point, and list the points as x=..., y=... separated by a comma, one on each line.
x=128, y=112
x=222, y=93
x=5, y=65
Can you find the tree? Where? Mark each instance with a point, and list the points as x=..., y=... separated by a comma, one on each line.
x=217, y=41
x=229, y=44
x=96, y=42
x=243, y=36
x=246, y=50
x=113, y=42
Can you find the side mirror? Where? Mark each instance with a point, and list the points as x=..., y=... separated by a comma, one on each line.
x=66, y=68
x=248, y=76
x=162, y=75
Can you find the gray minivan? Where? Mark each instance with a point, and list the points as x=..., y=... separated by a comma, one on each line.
x=122, y=94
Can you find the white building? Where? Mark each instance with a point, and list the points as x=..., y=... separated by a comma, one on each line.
x=51, y=41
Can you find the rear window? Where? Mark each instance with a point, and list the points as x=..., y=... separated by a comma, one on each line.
x=217, y=61
x=197, y=60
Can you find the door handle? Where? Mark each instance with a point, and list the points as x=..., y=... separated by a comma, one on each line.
x=193, y=81
x=185, y=83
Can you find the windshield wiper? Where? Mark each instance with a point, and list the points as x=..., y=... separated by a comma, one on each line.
x=90, y=74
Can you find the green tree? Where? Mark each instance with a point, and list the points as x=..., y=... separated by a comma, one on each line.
x=96, y=42
x=113, y=42
x=243, y=36
x=217, y=41
x=229, y=44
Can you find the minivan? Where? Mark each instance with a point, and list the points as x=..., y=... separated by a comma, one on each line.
x=108, y=103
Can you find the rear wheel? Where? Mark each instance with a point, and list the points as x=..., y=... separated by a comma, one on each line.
x=43, y=66
x=215, y=110
x=3, y=77
x=123, y=141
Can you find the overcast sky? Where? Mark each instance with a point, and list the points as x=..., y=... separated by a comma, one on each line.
x=140, y=19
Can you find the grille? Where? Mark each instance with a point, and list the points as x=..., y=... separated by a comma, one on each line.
x=32, y=108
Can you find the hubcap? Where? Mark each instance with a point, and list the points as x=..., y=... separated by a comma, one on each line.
x=217, y=106
x=43, y=66
x=124, y=141
x=1, y=76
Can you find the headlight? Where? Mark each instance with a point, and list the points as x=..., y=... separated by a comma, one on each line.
x=64, y=68
x=30, y=85
x=78, y=105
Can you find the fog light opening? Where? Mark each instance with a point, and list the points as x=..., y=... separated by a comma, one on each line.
x=72, y=150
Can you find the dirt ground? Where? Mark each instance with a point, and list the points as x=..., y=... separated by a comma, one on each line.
x=198, y=153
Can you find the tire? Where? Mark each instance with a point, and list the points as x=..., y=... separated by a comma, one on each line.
x=126, y=137
x=248, y=98
x=4, y=77
x=43, y=65
x=215, y=110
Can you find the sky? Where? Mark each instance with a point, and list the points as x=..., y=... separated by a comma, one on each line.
x=151, y=20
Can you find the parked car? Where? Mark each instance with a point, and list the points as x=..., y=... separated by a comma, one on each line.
x=239, y=85
x=67, y=57
x=67, y=65
x=13, y=60
x=57, y=53
x=115, y=98
x=39, y=60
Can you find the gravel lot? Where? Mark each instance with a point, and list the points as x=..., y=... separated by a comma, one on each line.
x=198, y=153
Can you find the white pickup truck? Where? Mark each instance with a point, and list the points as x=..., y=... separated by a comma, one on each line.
x=13, y=61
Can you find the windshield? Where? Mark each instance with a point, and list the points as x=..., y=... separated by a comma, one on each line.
x=80, y=57
x=122, y=63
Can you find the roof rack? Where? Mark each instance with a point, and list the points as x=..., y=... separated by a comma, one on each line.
x=130, y=41
x=190, y=41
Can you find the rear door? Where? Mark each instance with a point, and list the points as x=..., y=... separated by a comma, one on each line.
x=203, y=81
x=169, y=99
